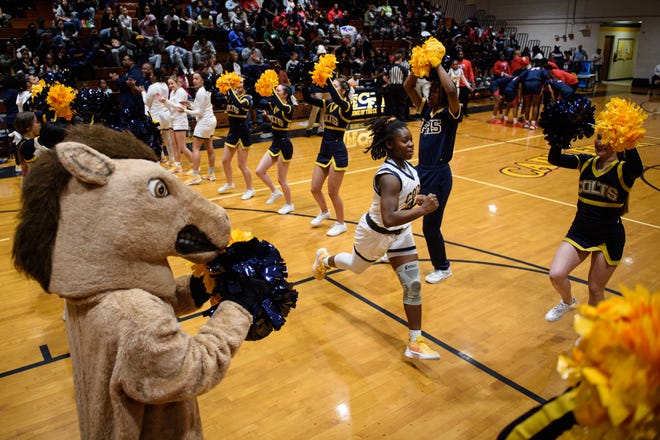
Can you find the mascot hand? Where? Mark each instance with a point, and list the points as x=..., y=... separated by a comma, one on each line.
x=250, y=295
x=198, y=291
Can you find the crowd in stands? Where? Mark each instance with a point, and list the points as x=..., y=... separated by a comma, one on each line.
x=249, y=36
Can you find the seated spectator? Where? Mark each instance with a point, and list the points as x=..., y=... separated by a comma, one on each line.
x=292, y=64
x=204, y=24
x=125, y=24
x=202, y=49
x=4, y=19
x=63, y=35
x=145, y=52
x=148, y=28
x=114, y=45
x=236, y=38
x=272, y=42
x=233, y=63
x=213, y=66
x=251, y=55
x=67, y=16
x=180, y=57
x=108, y=21
x=48, y=65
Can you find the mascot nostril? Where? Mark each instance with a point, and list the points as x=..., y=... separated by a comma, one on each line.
x=129, y=353
x=191, y=240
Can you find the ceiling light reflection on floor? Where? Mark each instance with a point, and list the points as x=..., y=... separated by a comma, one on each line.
x=343, y=411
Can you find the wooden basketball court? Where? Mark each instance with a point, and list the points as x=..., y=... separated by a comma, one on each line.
x=336, y=370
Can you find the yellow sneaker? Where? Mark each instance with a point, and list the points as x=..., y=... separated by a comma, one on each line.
x=209, y=177
x=419, y=350
x=318, y=268
x=175, y=169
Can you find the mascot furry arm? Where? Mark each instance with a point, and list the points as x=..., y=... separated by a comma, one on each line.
x=99, y=219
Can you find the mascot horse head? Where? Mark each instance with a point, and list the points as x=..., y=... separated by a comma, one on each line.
x=99, y=213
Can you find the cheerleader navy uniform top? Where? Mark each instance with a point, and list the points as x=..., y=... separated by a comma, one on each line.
x=237, y=110
x=602, y=198
x=337, y=117
x=409, y=190
x=281, y=117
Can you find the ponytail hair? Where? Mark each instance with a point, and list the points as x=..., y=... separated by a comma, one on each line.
x=383, y=129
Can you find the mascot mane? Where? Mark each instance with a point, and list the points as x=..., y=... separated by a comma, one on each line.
x=38, y=220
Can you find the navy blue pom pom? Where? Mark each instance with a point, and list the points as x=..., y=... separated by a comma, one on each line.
x=244, y=262
x=566, y=120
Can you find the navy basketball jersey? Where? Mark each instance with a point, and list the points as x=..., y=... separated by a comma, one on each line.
x=437, y=135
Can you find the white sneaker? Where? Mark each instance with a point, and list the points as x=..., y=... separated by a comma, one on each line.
x=248, y=194
x=226, y=187
x=319, y=218
x=318, y=268
x=437, y=275
x=266, y=135
x=336, y=229
x=274, y=196
x=286, y=209
x=559, y=310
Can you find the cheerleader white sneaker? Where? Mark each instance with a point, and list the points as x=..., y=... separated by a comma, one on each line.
x=248, y=194
x=336, y=229
x=274, y=196
x=555, y=313
x=226, y=187
x=286, y=209
x=319, y=218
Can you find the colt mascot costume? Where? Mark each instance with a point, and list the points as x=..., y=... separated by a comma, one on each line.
x=100, y=217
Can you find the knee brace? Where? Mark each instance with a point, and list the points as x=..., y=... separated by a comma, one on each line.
x=408, y=274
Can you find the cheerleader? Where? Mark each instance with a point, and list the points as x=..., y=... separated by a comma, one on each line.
x=239, y=140
x=202, y=109
x=332, y=159
x=159, y=111
x=605, y=183
x=281, y=150
x=179, y=121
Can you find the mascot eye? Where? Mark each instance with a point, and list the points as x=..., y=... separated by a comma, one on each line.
x=158, y=189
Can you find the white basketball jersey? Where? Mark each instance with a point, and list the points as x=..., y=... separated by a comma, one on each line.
x=409, y=190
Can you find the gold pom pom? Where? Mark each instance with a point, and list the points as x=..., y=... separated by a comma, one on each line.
x=426, y=56
x=266, y=83
x=620, y=124
x=228, y=80
x=324, y=69
x=59, y=99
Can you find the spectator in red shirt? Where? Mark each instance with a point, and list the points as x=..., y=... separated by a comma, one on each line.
x=501, y=67
x=464, y=89
x=518, y=62
x=335, y=12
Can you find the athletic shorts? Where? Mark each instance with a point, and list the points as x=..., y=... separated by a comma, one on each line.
x=370, y=245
